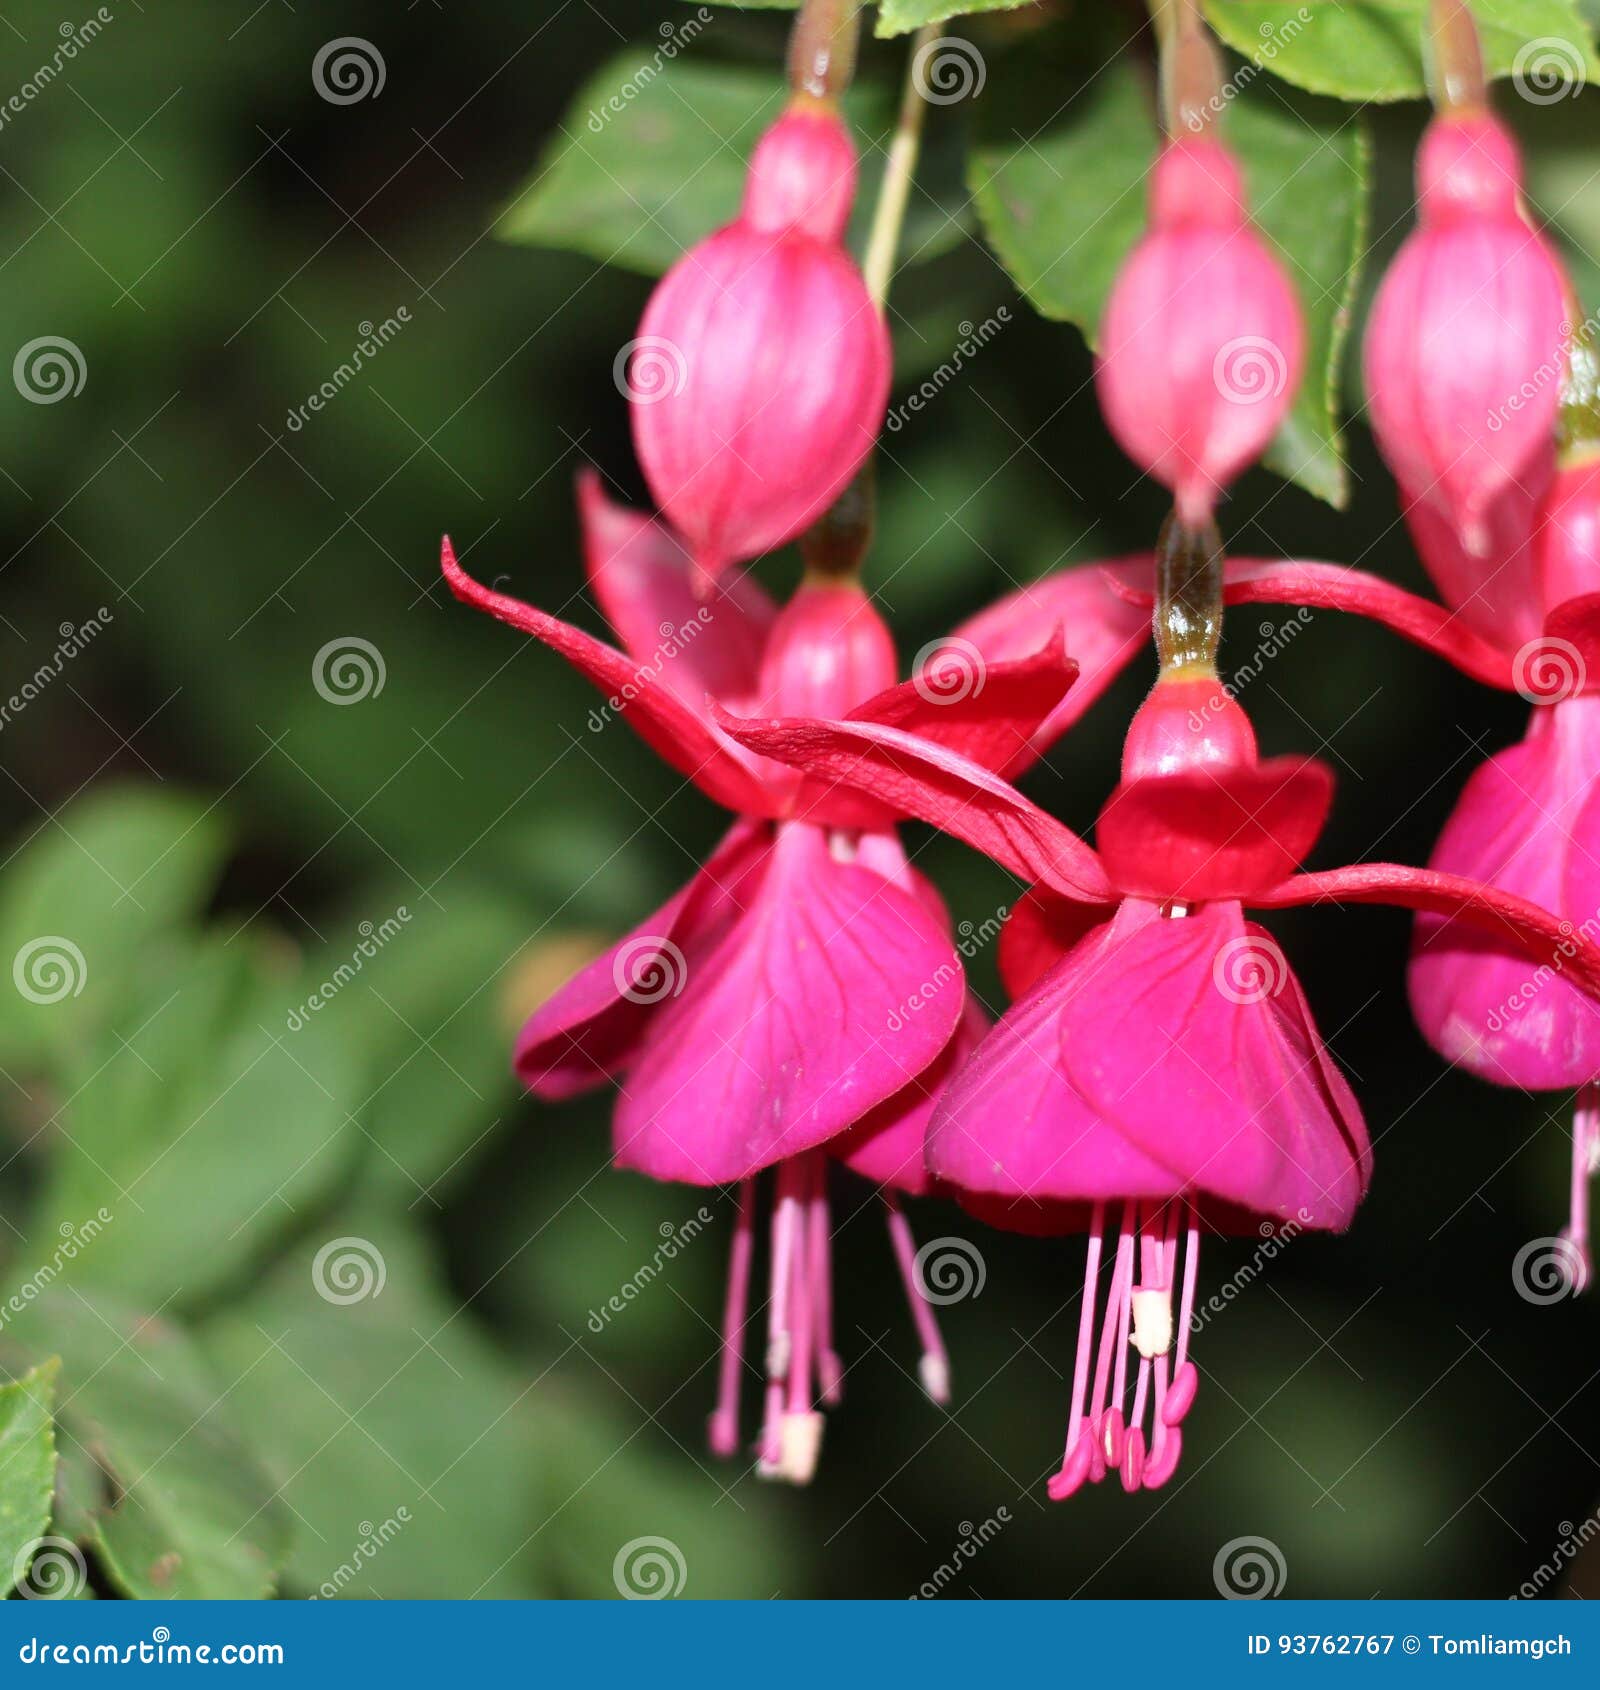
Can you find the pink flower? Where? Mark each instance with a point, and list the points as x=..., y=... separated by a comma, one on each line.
x=1201, y=344
x=1464, y=354
x=800, y=998
x=1161, y=1057
x=773, y=361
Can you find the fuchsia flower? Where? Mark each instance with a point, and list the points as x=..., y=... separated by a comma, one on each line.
x=800, y=998
x=1464, y=352
x=779, y=359
x=1201, y=344
x=1161, y=1058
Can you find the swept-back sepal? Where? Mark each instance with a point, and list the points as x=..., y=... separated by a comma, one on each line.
x=914, y=777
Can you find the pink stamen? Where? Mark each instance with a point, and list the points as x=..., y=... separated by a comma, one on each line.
x=1585, y=1165
x=829, y=1369
x=934, y=1367
x=780, y=1343
x=723, y=1426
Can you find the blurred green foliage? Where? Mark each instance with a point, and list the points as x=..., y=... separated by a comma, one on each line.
x=221, y=841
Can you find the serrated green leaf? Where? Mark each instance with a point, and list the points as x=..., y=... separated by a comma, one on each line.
x=403, y=1439
x=900, y=17
x=1063, y=206
x=650, y=157
x=204, y=1106
x=91, y=889
x=1373, y=49
x=182, y=1508
x=27, y=1465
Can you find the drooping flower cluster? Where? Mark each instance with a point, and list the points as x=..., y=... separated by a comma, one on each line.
x=1158, y=1076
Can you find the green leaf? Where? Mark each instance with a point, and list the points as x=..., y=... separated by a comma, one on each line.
x=27, y=1465
x=1063, y=207
x=179, y=1506
x=650, y=157
x=900, y=17
x=403, y=1439
x=93, y=887
x=205, y=1106
x=1373, y=49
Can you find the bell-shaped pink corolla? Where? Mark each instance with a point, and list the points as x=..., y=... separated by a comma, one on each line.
x=1160, y=1074
x=1464, y=355
x=801, y=998
x=760, y=375
x=1202, y=343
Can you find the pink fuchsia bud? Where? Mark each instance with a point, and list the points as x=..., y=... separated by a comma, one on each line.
x=1201, y=344
x=1569, y=538
x=778, y=358
x=1467, y=339
x=829, y=651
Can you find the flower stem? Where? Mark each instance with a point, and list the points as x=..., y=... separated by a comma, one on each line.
x=1454, y=58
x=888, y=217
x=822, y=48
x=1191, y=70
x=1188, y=616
